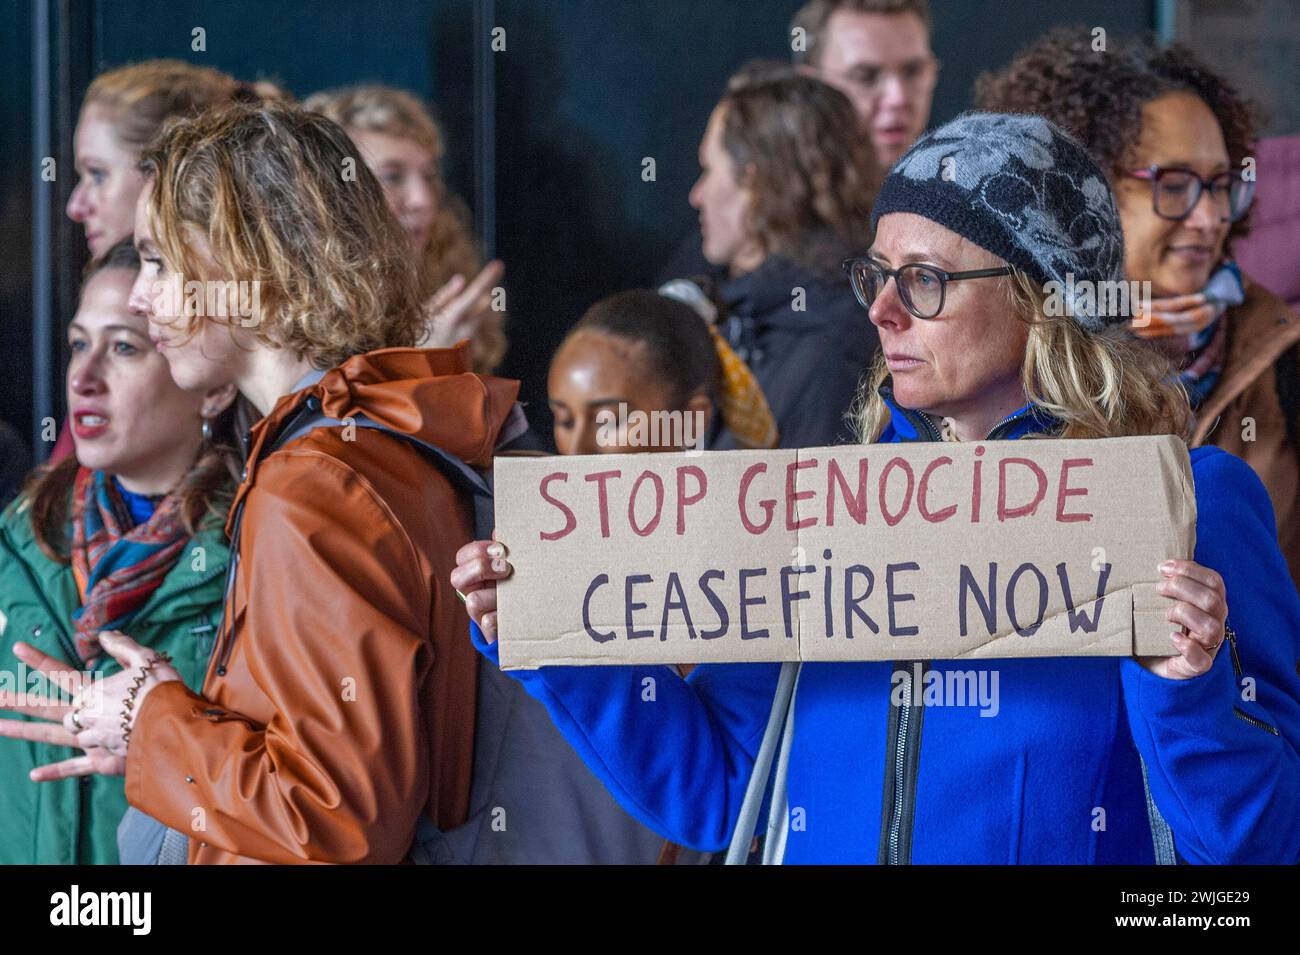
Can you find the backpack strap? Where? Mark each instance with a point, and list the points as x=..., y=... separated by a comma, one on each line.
x=460, y=475
x=307, y=418
x=310, y=417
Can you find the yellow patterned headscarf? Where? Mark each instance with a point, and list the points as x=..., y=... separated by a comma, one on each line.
x=742, y=403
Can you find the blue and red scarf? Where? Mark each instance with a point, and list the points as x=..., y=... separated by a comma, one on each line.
x=1200, y=357
x=117, y=563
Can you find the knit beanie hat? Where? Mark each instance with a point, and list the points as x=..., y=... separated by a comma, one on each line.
x=1023, y=189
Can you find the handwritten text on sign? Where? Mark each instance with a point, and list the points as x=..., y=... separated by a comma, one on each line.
x=912, y=551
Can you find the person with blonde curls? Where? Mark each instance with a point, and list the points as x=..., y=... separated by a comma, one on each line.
x=786, y=181
x=337, y=713
x=971, y=225
x=403, y=146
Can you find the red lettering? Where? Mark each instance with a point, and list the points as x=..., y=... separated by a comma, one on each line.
x=792, y=498
x=570, y=522
x=659, y=504
x=599, y=478
x=1066, y=491
x=856, y=503
x=702, y=482
x=892, y=519
x=1025, y=510
x=937, y=517
x=768, y=506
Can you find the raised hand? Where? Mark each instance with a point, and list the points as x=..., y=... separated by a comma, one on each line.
x=456, y=310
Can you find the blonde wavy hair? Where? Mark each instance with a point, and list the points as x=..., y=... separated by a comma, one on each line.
x=1097, y=384
x=451, y=249
x=141, y=98
x=279, y=195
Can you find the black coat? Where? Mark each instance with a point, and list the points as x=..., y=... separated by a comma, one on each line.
x=809, y=362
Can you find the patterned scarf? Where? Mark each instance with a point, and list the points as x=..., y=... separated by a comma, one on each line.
x=1200, y=357
x=117, y=564
x=743, y=405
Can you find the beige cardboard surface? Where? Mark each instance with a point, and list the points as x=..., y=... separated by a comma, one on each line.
x=865, y=552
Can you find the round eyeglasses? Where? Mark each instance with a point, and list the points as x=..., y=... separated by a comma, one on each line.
x=1175, y=192
x=921, y=288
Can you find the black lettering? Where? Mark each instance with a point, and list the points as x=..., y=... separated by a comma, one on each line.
x=893, y=598
x=989, y=607
x=586, y=611
x=746, y=602
x=630, y=606
x=675, y=584
x=1042, y=600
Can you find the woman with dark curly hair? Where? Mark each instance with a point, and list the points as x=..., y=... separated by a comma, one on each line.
x=786, y=182
x=1174, y=137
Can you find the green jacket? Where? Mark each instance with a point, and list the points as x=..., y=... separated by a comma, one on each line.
x=74, y=821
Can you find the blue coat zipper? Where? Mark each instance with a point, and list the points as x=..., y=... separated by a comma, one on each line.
x=902, y=765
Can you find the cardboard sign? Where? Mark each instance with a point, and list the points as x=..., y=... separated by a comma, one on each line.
x=867, y=552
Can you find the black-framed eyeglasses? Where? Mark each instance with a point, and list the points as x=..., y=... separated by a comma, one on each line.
x=1175, y=192
x=921, y=288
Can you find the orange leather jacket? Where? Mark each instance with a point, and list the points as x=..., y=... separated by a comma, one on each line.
x=346, y=707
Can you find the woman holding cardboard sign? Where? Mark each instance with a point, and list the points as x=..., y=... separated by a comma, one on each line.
x=1106, y=760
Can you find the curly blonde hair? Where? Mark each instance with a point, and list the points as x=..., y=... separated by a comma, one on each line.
x=800, y=149
x=1097, y=384
x=281, y=199
x=451, y=249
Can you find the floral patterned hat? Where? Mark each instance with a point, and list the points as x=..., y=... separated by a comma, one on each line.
x=1023, y=189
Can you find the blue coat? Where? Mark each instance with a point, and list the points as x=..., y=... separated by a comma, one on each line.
x=1053, y=777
